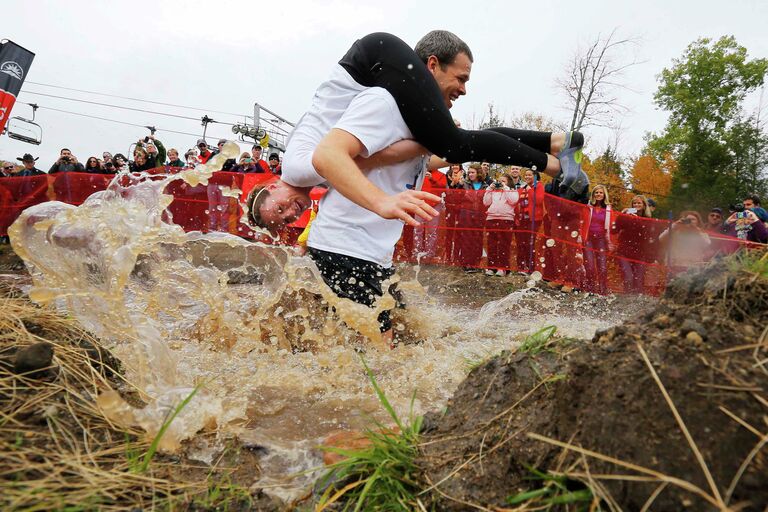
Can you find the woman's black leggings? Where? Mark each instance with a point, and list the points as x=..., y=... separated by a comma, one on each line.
x=384, y=60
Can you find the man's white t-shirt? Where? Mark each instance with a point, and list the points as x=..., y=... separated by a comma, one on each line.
x=328, y=106
x=343, y=227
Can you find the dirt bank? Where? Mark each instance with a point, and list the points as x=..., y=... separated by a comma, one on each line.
x=706, y=341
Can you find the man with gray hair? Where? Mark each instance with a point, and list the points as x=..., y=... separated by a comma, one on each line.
x=383, y=60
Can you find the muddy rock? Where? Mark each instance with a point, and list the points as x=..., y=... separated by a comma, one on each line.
x=34, y=360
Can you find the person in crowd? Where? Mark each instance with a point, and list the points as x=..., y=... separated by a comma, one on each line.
x=29, y=166
x=106, y=156
x=204, y=153
x=93, y=165
x=425, y=236
x=229, y=163
x=141, y=161
x=7, y=169
x=652, y=206
x=256, y=152
x=746, y=226
x=245, y=164
x=67, y=162
x=121, y=163
x=636, y=245
x=155, y=152
x=274, y=164
x=715, y=223
x=173, y=158
x=192, y=157
x=485, y=173
x=471, y=220
x=453, y=197
x=516, y=181
x=752, y=203
x=109, y=167
x=528, y=219
x=686, y=242
x=501, y=201
x=596, y=234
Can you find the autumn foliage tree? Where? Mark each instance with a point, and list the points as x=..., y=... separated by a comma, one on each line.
x=607, y=170
x=651, y=178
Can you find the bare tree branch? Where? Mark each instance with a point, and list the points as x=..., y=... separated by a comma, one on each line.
x=591, y=77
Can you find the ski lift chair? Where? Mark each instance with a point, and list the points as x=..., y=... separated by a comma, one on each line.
x=25, y=130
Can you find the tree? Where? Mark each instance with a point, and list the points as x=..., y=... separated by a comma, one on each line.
x=714, y=143
x=606, y=170
x=652, y=178
x=592, y=78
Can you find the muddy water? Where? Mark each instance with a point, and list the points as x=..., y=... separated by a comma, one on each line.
x=273, y=363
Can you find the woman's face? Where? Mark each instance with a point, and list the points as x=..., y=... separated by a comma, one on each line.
x=637, y=204
x=504, y=180
x=692, y=220
x=139, y=158
x=528, y=177
x=598, y=194
x=472, y=174
x=92, y=162
x=173, y=155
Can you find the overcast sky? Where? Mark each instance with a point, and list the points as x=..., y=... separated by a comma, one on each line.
x=226, y=55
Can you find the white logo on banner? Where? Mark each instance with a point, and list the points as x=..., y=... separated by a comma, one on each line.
x=11, y=68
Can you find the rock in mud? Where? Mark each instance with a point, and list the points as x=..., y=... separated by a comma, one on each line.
x=34, y=360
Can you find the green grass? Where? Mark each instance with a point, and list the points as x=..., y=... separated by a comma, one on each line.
x=139, y=463
x=538, y=341
x=554, y=490
x=382, y=476
x=753, y=261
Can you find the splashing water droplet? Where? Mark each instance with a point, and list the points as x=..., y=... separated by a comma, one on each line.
x=550, y=242
x=410, y=66
x=533, y=167
x=542, y=259
x=574, y=234
x=536, y=276
x=530, y=284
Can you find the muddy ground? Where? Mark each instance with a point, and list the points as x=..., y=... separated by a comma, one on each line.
x=706, y=341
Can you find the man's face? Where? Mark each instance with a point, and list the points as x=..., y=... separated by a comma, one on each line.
x=29, y=164
x=203, y=148
x=515, y=172
x=485, y=166
x=749, y=204
x=451, y=80
x=715, y=218
x=284, y=205
x=173, y=155
x=66, y=153
x=257, y=153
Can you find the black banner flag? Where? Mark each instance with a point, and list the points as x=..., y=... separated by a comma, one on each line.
x=15, y=62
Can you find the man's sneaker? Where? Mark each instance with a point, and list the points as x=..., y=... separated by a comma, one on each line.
x=574, y=180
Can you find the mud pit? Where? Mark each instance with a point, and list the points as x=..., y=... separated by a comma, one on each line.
x=706, y=341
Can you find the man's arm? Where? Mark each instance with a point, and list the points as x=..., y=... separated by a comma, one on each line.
x=333, y=159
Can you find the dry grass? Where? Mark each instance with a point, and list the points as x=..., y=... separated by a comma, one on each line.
x=59, y=451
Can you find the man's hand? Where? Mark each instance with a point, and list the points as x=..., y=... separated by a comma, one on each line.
x=407, y=205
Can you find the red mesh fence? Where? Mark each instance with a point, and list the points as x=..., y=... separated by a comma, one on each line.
x=566, y=242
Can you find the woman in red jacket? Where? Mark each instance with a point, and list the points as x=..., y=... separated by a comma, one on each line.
x=636, y=243
x=530, y=212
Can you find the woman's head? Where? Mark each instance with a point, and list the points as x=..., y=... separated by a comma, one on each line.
x=691, y=218
x=505, y=179
x=529, y=177
x=640, y=203
x=472, y=174
x=245, y=158
x=173, y=154
x=599, y=196
x=92, y=163
x=455, y=170
x=140, y=156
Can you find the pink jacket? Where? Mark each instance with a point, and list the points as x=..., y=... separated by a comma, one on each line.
x=501, y=204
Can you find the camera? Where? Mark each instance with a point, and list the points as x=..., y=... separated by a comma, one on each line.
x=632, y=211
x=738, y=208
x=497, y=185
x=685, y=221
x=146, y=139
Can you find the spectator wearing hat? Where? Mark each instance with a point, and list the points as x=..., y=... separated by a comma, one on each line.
x=205, y=153
x=261, y=165
x=714, y=223
x=67, y=162
x=29, y=166
x=275, y=167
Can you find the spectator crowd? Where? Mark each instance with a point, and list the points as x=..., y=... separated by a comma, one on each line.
x=498, y=214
